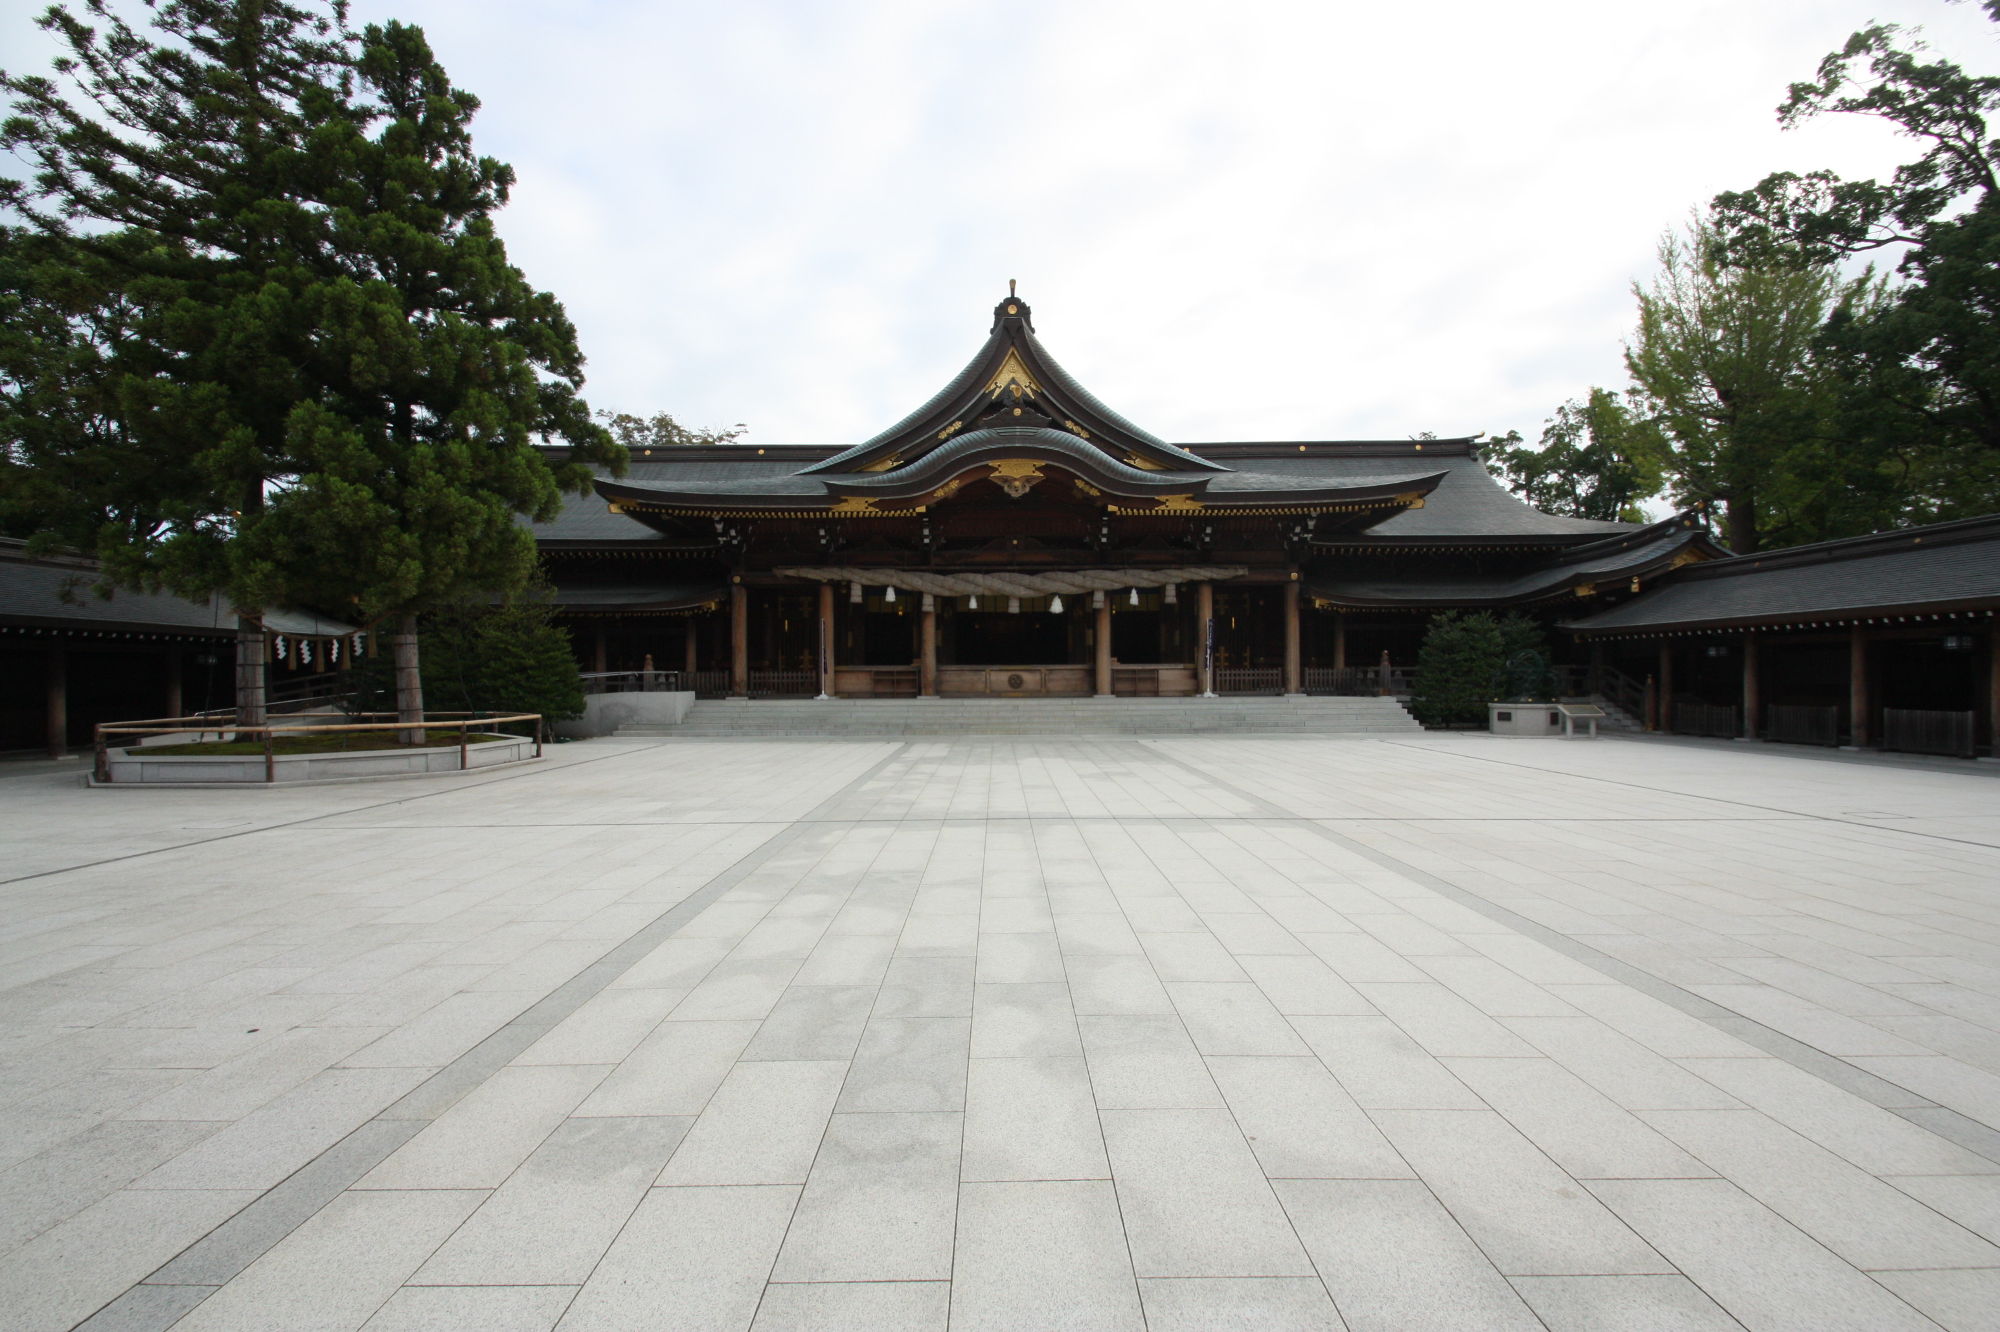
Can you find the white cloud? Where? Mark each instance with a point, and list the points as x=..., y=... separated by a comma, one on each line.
x=1269, y=219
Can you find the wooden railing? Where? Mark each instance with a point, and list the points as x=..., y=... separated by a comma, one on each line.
x=703, y=684
x=1628, y=694
x=1790, y=725
x=1707, y=719
x=1917, y=731
x=1135, y=681
x=1358, y=681
x=784, y=684
x=1249, y=680
x=459, y=725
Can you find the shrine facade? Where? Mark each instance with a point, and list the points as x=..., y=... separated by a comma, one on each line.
x=1016, y=537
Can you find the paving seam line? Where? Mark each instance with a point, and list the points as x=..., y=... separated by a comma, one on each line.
x=176, y=1287
x=473, y=782
x=1879, y=1091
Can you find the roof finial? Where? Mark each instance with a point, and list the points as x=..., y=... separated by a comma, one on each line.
x=1010, y=288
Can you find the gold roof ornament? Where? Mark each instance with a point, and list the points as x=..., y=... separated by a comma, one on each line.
x=1017, y=476
x=1013, y=372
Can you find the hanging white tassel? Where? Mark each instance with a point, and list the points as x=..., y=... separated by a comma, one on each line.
x=972, y=602
x=1055, y=604
x=1172, y=598
x=854, y=594
x=1133, y=600
x=889, y=594
x=1013, y=605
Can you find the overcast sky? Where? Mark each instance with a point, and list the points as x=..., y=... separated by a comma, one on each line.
x=1262, y=219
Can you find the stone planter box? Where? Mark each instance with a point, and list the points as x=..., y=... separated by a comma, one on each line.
x=1524, y=719
x=132, y=766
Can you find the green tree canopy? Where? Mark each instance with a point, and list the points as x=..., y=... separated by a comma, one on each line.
x=639, y=434
x=328, y=357
x=1724, y=361
x=1598, y=458
x=1922, y=368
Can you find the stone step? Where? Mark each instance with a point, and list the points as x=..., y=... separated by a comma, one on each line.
x=718, y=718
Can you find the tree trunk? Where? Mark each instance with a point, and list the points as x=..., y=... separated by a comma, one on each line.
x=1740, y=525
x=409, y=683
x=250, y=671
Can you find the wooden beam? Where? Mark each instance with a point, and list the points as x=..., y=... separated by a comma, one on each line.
x=927, y=673
x=1294, y=677
x=825, y=653
x=1860, y=724
x=739, y=641
x=55, y=680
x=1753, y=700
x=1103, y=644
x=1204, y=638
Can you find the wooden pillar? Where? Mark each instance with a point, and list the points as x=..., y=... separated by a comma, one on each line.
x=175, y=663
x=1667, y=685
x=599, y=654
x=1340, y=640
x=1294, y=676
x=1993, y=686
x=1204, y=638
x=927, y=649
x=1103, y=600
x=739, y=641
x=1860, y=695
x=55, y=680
x=691, y=646
x=826, y=640
x=1753, y=699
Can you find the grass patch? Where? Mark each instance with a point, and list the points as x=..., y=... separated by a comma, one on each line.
x=337, y=743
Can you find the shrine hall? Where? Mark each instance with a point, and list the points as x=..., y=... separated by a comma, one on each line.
x=1016, y=537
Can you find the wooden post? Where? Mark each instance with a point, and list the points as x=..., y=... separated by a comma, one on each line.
x=1340, y=640
x=1382, y=674
x=826, y=640
x=739, y=641
x=1652, y=708
x=1859, y=694
x=1204, y=638
x=175, y=663
x=692, y=643
x=55, y=680
x=1103, y=600
x=599, y=656
x=1667, y=685
x=1753, y=701
x=927, y=677
x=1294, y=677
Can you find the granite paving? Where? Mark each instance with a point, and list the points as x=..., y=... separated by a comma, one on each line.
x=1288, y=1032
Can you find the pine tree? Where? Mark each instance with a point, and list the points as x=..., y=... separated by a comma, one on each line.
x=1461, y=658
x=336, y=373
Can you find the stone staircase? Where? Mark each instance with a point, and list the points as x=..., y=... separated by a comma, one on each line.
x=1037, y=716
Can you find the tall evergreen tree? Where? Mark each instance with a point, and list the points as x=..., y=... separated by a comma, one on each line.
x=355, y=378
x=1724, y=359
x=167, y=172
x=1923, y=369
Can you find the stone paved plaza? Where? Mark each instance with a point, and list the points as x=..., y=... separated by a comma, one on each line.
x=1426, y=1032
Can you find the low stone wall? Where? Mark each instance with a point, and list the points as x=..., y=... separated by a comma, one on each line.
x=605, y=713
x=135, y=767
x=1524, y=719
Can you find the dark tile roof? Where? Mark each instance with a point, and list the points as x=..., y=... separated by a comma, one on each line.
x=1945, y=566
x=61, y=593
x=1641, y=553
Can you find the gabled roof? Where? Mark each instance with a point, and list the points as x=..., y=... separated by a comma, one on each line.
x=1012, y=379
x=1941, y=568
